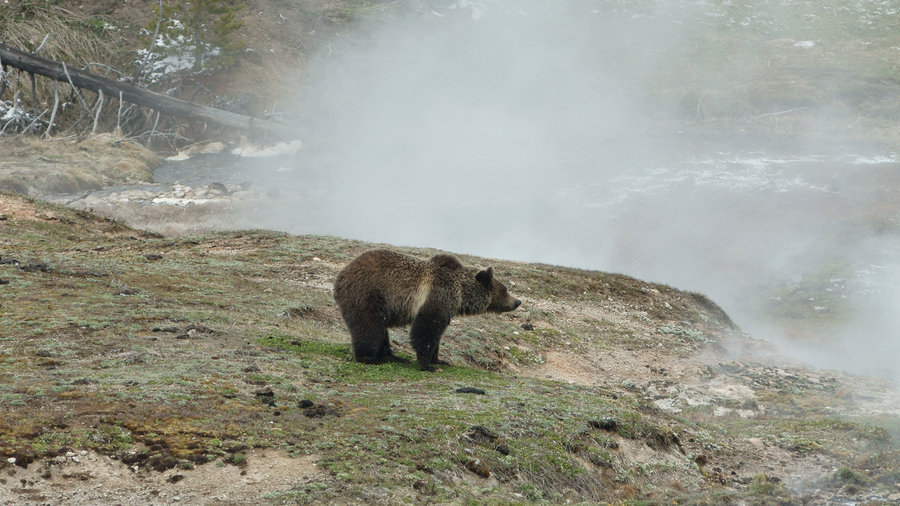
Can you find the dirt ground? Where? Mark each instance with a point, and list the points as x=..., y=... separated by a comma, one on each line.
x=723, y=373
x=85, y=478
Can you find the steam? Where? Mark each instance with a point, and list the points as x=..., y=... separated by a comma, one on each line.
x=534, y=131
x=467, y=127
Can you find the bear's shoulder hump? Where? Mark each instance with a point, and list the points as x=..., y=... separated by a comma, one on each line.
x=444, y=261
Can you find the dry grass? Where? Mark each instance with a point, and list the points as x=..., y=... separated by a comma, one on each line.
x=71, y=36
x=76, y=40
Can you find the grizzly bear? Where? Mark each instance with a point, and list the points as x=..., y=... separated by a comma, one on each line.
x=381, y=289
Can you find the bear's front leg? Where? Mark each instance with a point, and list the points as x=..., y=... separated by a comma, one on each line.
x=425, y=336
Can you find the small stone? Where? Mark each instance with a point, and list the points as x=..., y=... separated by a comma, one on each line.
x=11, y=460
x=266, y=396
x=757, y=443
x=217, y=188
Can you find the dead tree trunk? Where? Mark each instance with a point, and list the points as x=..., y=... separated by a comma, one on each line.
x=55, y=70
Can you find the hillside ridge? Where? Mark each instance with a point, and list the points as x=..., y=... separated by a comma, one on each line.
x=141, y=367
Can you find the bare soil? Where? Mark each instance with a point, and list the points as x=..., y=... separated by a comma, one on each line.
x=88, y=478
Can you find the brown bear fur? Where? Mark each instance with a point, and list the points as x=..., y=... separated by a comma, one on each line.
x=382, y=289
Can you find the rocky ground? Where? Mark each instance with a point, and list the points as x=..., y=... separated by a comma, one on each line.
x=215, y=368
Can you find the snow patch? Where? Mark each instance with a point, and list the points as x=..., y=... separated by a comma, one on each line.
x=280, y=148
x=181, y=156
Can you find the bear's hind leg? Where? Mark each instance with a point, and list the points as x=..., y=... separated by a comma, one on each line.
x=368, y=337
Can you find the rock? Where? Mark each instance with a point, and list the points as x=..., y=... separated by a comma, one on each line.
x=217, y=189
x=606, y=423
x=378, y=493
x=757, y=443
x=266, y=396
x=319, y=411
x=470, y=390
x=479, y=434
x=479, y=468
x=212, y=147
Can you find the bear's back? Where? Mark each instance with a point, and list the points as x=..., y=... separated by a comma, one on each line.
x=392, y=283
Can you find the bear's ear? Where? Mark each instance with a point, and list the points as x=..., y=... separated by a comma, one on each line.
x=486, y=276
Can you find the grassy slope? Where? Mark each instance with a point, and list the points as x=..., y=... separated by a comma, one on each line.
x=178, y=352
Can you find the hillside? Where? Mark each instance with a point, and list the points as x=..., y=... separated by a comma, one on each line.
x=215, y=368
x=148, y=356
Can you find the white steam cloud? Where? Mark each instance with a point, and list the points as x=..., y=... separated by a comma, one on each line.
x=528, y=130
x=466, y=129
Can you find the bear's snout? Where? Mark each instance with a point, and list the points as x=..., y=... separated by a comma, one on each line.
x=516, y=303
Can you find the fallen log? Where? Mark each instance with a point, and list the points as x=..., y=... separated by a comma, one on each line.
x=182, y=108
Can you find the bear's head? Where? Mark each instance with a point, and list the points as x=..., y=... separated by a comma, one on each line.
x=500, y=299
